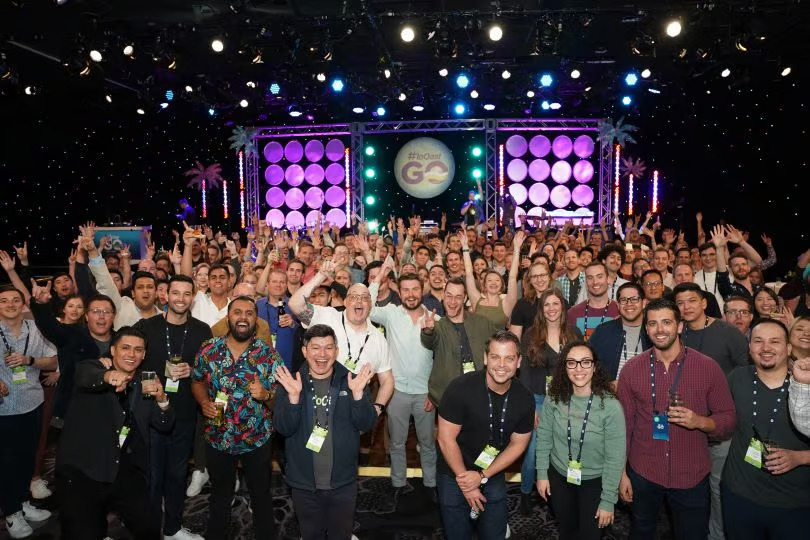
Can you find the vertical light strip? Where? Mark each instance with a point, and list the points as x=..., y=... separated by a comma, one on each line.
x=242, y=188
x=500, y=184
x=630, y=196
x=225, y=198
x=655, y=192
x=616, y=179
x=205, y=207
x=348, y=189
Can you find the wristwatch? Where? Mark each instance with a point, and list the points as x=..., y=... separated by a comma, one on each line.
x=381, y=406
x=484, y=479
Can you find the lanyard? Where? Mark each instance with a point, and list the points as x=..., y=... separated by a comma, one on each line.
x=700, y=343
x=604, y=315
x=503, y=415
x=775, y=410
x=582, y=431
x=8, y=346
x=613, y=289
x=674, y=383
x=182, y=343
x=705, y=288
x=327, y=402
x=349, y=341
x=624, y=345
x=462, y=338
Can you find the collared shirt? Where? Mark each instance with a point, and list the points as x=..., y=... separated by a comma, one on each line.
x=565, y=284
x=126, y=312
x=708, y=282
x=799, y=399
x=247, y=424
x=375, y=350
x=683, y=461
x=283, y=338
x=410, y=361
x=27, y=396
x=206, y=310
x=734, y=288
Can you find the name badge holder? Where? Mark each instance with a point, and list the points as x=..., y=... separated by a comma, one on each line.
x=18, y=374
x=351, y=362
x=757, y=451
x=490, y=451
x=660, y=421
x=319, y=432
x=172, y=384
x=574, y=475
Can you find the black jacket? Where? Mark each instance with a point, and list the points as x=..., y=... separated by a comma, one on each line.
x=347, y=419
x=89, y=439
x=606, y=342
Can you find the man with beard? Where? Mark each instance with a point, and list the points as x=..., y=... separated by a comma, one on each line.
x=673, y=397
x=725, y=345
x=94, y=476
x=572, y=282
x=234, y=379
x=128, y=310
x=766, y=481
x=598, y=307
x=432, y=300
x=386, y=295
x=172, y=344
x=411, y=364
x=617, y=341
x=739, y=264
x=613, y=257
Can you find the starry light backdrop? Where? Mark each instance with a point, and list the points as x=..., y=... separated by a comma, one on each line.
x=737, y=151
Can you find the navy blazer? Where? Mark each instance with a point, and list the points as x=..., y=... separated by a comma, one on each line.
x=606, y=342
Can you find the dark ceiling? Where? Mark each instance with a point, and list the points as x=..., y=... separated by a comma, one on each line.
x=45, y=46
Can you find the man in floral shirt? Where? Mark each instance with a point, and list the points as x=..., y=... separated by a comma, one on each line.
x=234, y=379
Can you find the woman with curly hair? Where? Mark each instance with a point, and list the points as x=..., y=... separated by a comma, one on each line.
x=540, y=347
x=581, y=446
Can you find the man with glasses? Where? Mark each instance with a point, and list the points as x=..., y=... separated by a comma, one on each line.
x=598, y=307
x=673, y=397
x=706, y=277
x=739, y=312
x=653, y=285
x=359, y=342
x=617, y=341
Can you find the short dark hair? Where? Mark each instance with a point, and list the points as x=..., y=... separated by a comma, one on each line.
x=686, y=287
x=651, y=271
x=596, y=262
x=8, y=287
x=705, y=246
x=219, y=266
x=117, y=273
x=682, y=264
x=738, y=298
x=503, y=336
x=241, y=298
x=180, y=278
x=318, y=330
x=586, y=248
x=440, y=267
x=294, y=261
x=125, y=331
x=371, y=266
x=457, y=280
x=770, y=292
x=777, y=322
x=410, y=276
x=100, y=298
x=630, y=285
x=684, y=248
x=662, y=303
x=61, y=274
x=140, y=274
x=605, y=252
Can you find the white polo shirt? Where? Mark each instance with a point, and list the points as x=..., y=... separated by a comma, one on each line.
x=373, y=351
x=204, y=309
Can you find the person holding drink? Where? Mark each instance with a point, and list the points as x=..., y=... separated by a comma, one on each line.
x=581, y=444
x=234, y=379
x=766, y=480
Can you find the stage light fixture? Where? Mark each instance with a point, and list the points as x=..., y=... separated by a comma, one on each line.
x=725, y=73
x=164, y=105
x=128, y=50
x=786, y=71
x=370, y=200
x=244, y=103
x=369, y=150
x=546, y=80
x=407, y=34
x=489, y=107
x=476, y=151
x=189, y=89
x=645, y=73
x=530, y=93
x=459, y=108
x=172, y=63
x=418, y=108
x=337, y=85
x=321, y=77
x=85, y=71
x=169, y=95
x=495, y=32
x=370, y=173
x=211, y=111
x=673, y=28
x=387, y=73
x=474, y=94
x=257, y=58
x=95, y=56
x=275, y=89
x=505, y=74
x=108, y=97
x=654, y=90
x=587, y=88
x=380, y=111
x=443, y=72
x=462, y=81
x=402, y=96
x=30, y=90
x=251, y=84
x=217, y=45
x=477, y=173
x=575, y=74
x=555, y=106
x=545, y=105
x=627, y=100
x=140, y=111
x=631, y=79
x=358, y=110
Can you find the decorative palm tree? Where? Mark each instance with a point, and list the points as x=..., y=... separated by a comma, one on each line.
x=619, y=132
x=243, y=139
x=633, y=167
x=203, y=177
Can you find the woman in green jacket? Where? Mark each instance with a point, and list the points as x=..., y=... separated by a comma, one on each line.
x=581, y=445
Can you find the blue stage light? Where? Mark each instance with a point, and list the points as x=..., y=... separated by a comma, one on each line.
x=462, y=81
x=631, y=79
x=275, y=89
x=546, y=80
x=380, y=111
x=337, y=85
x=627, y=100
x=459, y=108
x=545, y=105
x=169, y=95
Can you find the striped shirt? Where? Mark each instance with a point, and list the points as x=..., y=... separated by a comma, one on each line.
x=683, y=461
x=26, y=396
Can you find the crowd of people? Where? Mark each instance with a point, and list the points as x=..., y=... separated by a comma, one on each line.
x=607, y=363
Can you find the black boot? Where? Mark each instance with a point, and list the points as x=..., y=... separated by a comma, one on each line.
x=525, y=504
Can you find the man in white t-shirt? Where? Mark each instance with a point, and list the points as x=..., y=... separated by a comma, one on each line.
x=359, y=342
x=706, y=277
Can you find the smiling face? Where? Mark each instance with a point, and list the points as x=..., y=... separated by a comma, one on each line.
x=769, y=347
x=454, y=263
x=218, y=281
x=343, y=277
x=410, y=290
x=661, y=261
x=662, y=328
x=11, y=305
x=358, y=304
x=552, y=309
x=682, y=273
x=596, y=280
x=320, y=353
x=147, y=265
x=180, y=295
x=579, y=376
x=502, y=361
x=454, y=297
x=74, y=309
x=764, y=304
x=740, y=268
x=295, y=270
x=738, y=314
x=437, y=278
x=307, y=254
x=613, y=262
x=571, y=260
x=128, y=353
x=242, y=320
x=100, y=317
x=708, y=259
x=201, y=278
x=493, y=283
x=800, y=338
x=631, y=305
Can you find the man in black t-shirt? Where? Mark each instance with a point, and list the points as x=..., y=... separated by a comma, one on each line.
x=172, y=345
x=485, y=423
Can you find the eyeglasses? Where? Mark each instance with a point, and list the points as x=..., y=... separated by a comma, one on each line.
x=359, y=298
x=630, y=300
x=653, y=283
x=586, y=363
x=99, y=311
x=538, y=276
x=738, y=312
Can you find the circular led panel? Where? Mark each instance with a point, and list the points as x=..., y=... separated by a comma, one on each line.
x=274, y=218
x=519, y=213
x=335, y=149
x=583, y=146
x=295, y=220
x=583, y=171
x=274, y=175
x=335, y=196
x=538, y=194
x=560, y=196
x=516, y=145
x=517, y=170
x=293, y=151
x=335, y=173
x=294, y=198
x=539, y=146
x=273, y=152
x=294, y=175
x=336, y=217
x=313, y=150
x=561, y=172
x=562, y=146
x=518, y=193
x=274, y=197
x=313, y=174
x=314, y=197
x=582, y=195
x=539, y=170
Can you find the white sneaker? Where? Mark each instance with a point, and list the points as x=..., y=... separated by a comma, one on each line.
x=39, y=489
x=32, y=513
x=17, y=527
x=183, y=534
x=508, y=531
x=198, y=480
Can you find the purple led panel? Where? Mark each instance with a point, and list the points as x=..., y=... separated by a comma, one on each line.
x=516, y=145
x=517, y=170
x=273, y=152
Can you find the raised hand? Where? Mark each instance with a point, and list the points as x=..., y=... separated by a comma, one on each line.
x=150, y=251
x=463, y=238
x=176, y=257
x=230, y=245
x=361, y=242
x=117, y=379
x=72, y=257
x=801, y=371
x=124, y=252
x=357, y=383
x=719, y=238
x=41, y=295
x=257, y=389
x=292, y=385
x=429, y=322
x=520, y=237
x=7, y=261
x=734, y=234
x=766, y=240
x=3, y=389
x=699, y=217
x=22, y=253
x=328, y=268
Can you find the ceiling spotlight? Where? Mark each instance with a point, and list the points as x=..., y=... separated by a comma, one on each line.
x=627, y=100
x=164, y=105
x=169, y=95
x=358, y=110
x=128, y=50
x=740, y=45
x=443, y=72
x=250, y=84
x=244, y=103
x=545, y=105
x=189, y=89
x=631, y=79
x=489, y=107
x=546, y=80
x=387, y=73
x=645, y=73
x=495, y=32
x=530, y=94
x=555, y=106
x=295, y=112
x=402, y=96
x=786, y=71
x=575, y=74
x=30, y=90
x=321, y=77
x=587, y=88
x=380, y=111
x=217, y=45
x=725, y=73
x=337, y=85
x=505, y=74
x=172, y=63
x=61, y=2
x=673, y=28
x=140, y=111
x=108, y=97
x=95, y=56
x=474, y=94
x=211, y=111
x=459, y=108
x=275, y=88
x=418, y=108
x=407, y=34
x=654, y=90
x=462, y=81
x=85, y=70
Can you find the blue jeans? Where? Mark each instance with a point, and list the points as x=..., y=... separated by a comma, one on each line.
x=490, y=525
x=168, y=472
x=528, y=471
x=746, y=519
x=690, y=508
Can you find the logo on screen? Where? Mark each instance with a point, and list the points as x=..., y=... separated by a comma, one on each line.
x=424, y=167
